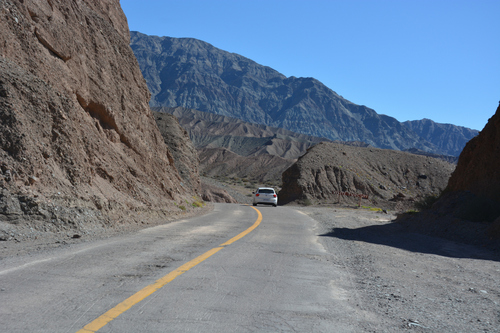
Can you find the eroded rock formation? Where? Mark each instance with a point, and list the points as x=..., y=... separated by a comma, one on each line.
x=78, y=142
x=478, y=168
x=185, y=155
x=385, y=176
x=469, y=209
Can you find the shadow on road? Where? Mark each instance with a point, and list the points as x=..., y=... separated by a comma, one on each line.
x=394, y=235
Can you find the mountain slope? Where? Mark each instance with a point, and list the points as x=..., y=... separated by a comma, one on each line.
x=229, y=147
x=208, y=130
x=194, y=74
x=446, y=137
x=220, y=162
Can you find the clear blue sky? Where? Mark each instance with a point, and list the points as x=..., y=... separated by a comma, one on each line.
x=409, y=59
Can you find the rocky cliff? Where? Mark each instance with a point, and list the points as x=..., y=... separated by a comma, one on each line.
x=183, y=151
x=193, y=74
x=473, y=192
x=478, y=168
x=332, y=171
x=79, y=145
x=469, y=209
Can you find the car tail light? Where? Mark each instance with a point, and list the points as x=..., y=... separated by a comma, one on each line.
x=257, y=195
x=274, y=195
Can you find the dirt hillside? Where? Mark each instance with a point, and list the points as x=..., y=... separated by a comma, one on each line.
x=391, y=179
x=262, y=168
x=79, y=147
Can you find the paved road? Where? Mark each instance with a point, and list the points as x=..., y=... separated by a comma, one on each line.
x=277, y=278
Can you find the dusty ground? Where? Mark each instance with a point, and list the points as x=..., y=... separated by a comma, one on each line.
x=411, y=281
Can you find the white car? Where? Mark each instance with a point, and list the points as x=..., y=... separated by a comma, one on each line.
x=266, y=196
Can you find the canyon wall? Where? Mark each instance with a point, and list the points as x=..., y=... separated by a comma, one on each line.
x=78, y=142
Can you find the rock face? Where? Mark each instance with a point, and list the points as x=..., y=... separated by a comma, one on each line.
x=469, y=209
x=193, y=74
x=183, y=151
x=385, y=176
x=78, y=142
x=213, y=193
x=478, y=168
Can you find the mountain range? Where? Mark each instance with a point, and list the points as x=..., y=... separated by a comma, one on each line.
x=191, y=73
x=231, y=148
x=208, y=130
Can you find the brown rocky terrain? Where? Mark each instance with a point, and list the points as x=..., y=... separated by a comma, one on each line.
x=469, y=209
x=213, y=193
x=233, y=151
x=391, y=179
x=478, y=165
x=80, y=149
x=183, y=151
x=186, y=159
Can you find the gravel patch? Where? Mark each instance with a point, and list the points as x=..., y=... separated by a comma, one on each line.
x=412, y=282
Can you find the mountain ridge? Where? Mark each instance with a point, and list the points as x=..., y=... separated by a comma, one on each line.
x=245, y=139
x=194, y=74
x=447, y=137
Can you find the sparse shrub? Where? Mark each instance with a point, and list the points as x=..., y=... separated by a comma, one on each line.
x=182, y=207
x=373, y=209
x=198, y=204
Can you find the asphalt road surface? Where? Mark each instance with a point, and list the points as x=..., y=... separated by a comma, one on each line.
x=232, y=270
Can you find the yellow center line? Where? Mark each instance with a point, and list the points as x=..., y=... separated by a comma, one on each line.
x=109, y=315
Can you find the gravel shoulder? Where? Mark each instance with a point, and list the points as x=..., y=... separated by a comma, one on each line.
x=411, y=282
x=23, y=240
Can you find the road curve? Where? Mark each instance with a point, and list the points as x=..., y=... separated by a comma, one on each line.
x=277, y=278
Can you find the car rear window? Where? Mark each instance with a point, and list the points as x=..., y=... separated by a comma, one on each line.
x=266, y=191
